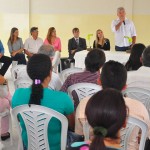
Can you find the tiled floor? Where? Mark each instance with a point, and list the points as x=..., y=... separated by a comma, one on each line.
x=7, y=143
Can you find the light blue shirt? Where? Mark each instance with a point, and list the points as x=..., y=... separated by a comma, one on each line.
x=1, y=48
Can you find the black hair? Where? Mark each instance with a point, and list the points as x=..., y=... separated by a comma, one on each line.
x=113, y=75
x=33, y=29
x=94, y=60
x=134, y=62
x=106, y=109
x=146, y=57
x=38, y=68
x=75, y=30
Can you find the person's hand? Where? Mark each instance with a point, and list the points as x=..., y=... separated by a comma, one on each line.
x=13, y=54
x=73, y=51
x=122, y=19
x=1, y=55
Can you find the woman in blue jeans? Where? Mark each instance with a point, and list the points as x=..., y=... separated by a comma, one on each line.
x=15, y=46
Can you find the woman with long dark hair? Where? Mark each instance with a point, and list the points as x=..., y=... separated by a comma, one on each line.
x=106, y=113
x=52, y=39
x=39, y=69
x=15, y=46
x=134, y=62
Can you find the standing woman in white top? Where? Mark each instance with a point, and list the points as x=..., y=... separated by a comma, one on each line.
x=124, y=30
x=15, y=47
x=33, y=43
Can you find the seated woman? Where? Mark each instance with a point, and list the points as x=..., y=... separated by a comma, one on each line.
x=4, y=104
x=134, y=62
x=102, y=114
x=100, y=41
x=39, y=69
x=53, y=40
x=15, y=47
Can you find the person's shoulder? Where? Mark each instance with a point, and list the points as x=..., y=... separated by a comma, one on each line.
x=57, y=93
x=80, y=38
x=134, y=103
x=40, y=39
x=71, y=39
x=106, y=39
x=28, y=39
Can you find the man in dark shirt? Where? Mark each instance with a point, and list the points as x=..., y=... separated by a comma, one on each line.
x=5, y=60
x=76, y=43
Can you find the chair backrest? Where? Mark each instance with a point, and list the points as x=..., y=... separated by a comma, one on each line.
x=83, y=89
x=36, y=119
x=132, y=123
x=65, y=73
x=22, y=83
x=142, y=95
x=56, y=61
x=15, y=69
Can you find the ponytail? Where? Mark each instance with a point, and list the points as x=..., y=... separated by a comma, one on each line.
x=36, y=94
x=97, y=143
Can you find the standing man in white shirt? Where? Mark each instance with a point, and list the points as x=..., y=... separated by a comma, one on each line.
x=32, y=44
x=124, y=30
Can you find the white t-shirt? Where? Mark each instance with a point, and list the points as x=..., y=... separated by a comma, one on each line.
x=127, y=29
x=32, y=45
x=139, y=78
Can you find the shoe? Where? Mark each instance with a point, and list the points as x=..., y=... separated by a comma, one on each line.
x=5, y=137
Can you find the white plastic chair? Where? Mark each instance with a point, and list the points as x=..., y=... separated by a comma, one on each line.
x=125, y=132
x=15, y=69
x=36, y=119
x=4, y=114
x=83, y=89
x=22, y=83
x=56, y=61
x=65, y=73
x=142, y=95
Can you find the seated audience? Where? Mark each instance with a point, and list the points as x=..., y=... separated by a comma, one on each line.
x=114, y=75
x=39, y=69
x=55, y=83
x=5, y=60
x=33, y=43
x=4, y=105
x=141, y=77
x=15, y=47
x=101, y=42
x=134, y=62
x=76, y=43
x=52, y=39
x=104, y=120
x=93, y=63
